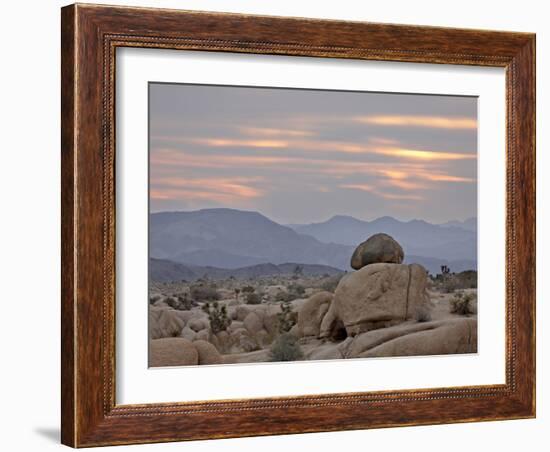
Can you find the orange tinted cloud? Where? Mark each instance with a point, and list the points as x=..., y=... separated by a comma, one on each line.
x=274, y=132
x=447, y=178
x=228, y=142
x=167, y=160
x=236, y=189
x=424, y=155
x=436, y=122
x=375, y=146
x=170, y=158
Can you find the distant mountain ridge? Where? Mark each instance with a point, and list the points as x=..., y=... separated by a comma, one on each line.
x=469, y=224
x=234, y=239
x=417, y=237
x=161, y=270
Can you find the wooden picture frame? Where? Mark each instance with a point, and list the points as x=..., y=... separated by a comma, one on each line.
x=90, y=36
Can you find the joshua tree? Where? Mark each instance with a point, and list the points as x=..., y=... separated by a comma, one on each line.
x=297, y=272
x=217, y=315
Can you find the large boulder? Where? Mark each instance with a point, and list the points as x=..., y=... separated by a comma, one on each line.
x=208, y=354
x=242, y=341
x=202, y=335
x=172, y=351
x=164, y=322
x=198, y=323
x=377, y=296
x=253, y=323
x=234, y=325
x=312, y=312
x=379, y=248
x=188, y=334
x=447, y=337
x=241, y=312
x=326, y=351
x=222, y=341
x=270, y=318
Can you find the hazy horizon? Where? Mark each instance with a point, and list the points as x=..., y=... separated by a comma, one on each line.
x=403, y=220
x=304, y=156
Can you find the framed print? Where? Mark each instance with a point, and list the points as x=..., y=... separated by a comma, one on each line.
x=282, y=225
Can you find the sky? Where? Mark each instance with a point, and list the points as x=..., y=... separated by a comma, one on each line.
x=303, y=156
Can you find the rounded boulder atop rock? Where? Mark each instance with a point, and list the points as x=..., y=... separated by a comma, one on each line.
x=377, y=249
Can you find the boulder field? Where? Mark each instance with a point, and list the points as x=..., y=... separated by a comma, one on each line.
x=373, y=312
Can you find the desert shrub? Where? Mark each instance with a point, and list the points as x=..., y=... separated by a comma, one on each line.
x=461, y=303
x=185, y=303
x=217, y=316
x=422, y=314
x=204, y=292
x=247, y=289
x=449, y=284
x=467, y=279
x=286, y=348
x=293, y=292
x=287, y=317
x=296, y=289
x=285, y=296
x=253, y=298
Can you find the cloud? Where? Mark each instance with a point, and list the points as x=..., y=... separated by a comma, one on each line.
x=314, y=151
x=435, y=122
x=424, y=155
x=274, y=132
x=448, y=178
x=405, y=175
x=378, y=192
x=375, y=148
x=229, y=142
x=172, y=157
x=214, y=189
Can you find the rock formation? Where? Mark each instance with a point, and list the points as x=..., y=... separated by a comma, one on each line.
x=208, y=354
x=377, y=296
x=373, y=312
x=312, y=313
x=172, y=351
x=164, y=322
x=379, y=248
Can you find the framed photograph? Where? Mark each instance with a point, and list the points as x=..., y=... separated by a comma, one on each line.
x=282, y=225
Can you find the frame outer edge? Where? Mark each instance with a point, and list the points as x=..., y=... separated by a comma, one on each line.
x=86, y=419
x=526, y=221
x=68, y=230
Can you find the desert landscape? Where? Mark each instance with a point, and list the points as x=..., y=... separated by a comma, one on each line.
x=291, y=312
x=291, y=224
